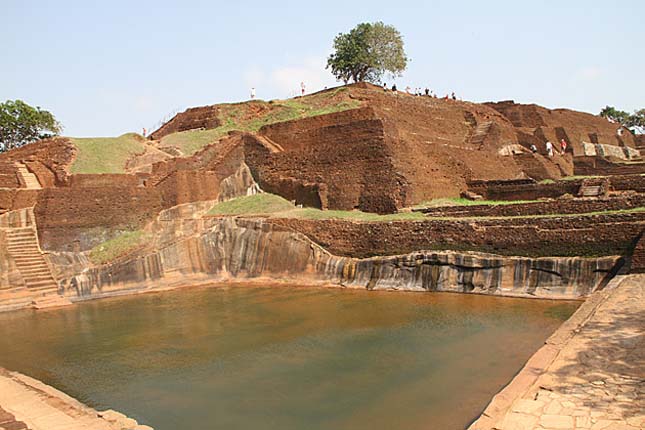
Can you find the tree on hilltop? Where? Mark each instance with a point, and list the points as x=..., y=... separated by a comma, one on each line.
x=21, y=124
x=367, y=52
x=635, y=122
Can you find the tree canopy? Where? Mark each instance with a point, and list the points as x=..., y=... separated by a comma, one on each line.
x=367, y=52
x=635, y=122
x=21, y=124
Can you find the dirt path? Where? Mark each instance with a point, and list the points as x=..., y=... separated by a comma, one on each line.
x=589, y=375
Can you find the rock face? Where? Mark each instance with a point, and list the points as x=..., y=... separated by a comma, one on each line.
x=215, y=249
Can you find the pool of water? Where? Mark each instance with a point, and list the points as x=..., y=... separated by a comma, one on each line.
x=283, y=357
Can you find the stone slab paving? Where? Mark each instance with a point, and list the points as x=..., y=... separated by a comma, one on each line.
x=28, y=404
x=596, y=380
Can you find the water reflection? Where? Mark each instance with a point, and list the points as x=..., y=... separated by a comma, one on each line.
x=283, y=358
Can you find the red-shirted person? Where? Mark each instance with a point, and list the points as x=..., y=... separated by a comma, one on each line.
x=563, y=146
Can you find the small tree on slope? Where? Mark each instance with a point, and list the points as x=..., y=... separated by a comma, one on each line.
x=21, y=124
x=367, y=52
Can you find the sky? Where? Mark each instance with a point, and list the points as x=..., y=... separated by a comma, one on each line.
x=108, y=68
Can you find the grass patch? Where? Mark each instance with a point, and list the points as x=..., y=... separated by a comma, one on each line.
x=277, y=207
x=117, y=247
x=191, y=141
x=251, y=116
x=259, y=204
x=105, y=154
x=317, y=214
x=445, y=202
x=471, y=218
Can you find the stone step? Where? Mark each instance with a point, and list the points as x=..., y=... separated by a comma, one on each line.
x=51, y=302
x=32, y=279
x=46, y=283
x=21, y=232
x=25, y=247
x=41, y=268
x=34, y=271
x=36, y=256
x=44, y=289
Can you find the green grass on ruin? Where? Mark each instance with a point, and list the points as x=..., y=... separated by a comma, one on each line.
x=117, y=247
x=270, y=205
x=106, y=154
x=266, y=204
x=259, y=204
x=244, y=117
x=447, y=202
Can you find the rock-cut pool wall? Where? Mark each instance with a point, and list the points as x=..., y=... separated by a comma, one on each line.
x=228, y=248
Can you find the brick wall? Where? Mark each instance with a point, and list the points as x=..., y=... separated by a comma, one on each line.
x=557, y=236
x=190, y=119
x=341, y=158
x=82, y=217
x=104, y=180
x=528, y=189
x=563, y=206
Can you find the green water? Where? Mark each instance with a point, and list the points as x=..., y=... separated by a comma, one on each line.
x=283, y=358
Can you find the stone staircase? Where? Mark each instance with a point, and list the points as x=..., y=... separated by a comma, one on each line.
x=22, y=245
x=480, y=133
x=27, y=179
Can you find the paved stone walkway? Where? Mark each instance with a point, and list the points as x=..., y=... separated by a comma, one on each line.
x=597, y=380
x=28, y=404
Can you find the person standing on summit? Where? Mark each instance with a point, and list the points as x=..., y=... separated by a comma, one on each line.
x=302, y=88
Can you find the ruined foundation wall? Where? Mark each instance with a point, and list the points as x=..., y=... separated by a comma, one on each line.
x=549, y=236
x=254, y=249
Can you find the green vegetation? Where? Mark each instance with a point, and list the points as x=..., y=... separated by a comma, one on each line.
x=191, y=141
x=537, y=216
x=367, y=52
x=355, y=215
x=106, y=154
x=259, y=204
x=117, y=247
x=275, y=206
x=251, y=116
x=635, y=122
x=443, y=202
x=21, y=124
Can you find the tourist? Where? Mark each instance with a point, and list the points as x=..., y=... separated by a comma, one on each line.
x=408, y=90
x=393, y=88
x=549, y=148
x=619, y=132
x=302, y=88
x=252, y=93
x=144, y=132
x=533, y=148
x=427, y=92
x=384, y=86
x=563, y=146
x=453, y=96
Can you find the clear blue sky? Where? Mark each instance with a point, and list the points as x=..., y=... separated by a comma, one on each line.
x=106, y=68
